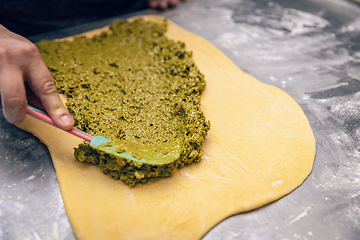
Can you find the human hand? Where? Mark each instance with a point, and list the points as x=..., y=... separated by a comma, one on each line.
x=163, y=4
x=24, y=76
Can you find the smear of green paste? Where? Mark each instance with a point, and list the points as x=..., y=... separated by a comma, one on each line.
x=133, y=85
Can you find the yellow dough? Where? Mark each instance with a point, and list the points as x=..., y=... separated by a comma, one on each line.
x=260, y=147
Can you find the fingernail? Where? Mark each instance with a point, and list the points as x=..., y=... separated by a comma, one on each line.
x=15, y=115
x=67, y=121
x=14, y=111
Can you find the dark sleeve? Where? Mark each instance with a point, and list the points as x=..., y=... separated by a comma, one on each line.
x=30, y=17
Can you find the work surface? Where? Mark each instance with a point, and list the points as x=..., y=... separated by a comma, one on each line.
x=308, y=48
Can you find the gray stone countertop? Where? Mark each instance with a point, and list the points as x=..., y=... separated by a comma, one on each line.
x=308, y=48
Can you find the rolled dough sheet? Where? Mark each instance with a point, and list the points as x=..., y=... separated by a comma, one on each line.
x=260, y=147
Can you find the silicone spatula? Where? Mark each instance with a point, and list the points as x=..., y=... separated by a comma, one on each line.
x=152, y=155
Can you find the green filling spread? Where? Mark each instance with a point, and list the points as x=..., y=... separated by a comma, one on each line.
x=136, y=87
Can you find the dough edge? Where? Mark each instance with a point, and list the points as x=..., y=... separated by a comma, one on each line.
x=190, y=203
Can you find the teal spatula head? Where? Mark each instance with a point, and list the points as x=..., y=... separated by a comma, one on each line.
x=130, y=162
x=153, y=155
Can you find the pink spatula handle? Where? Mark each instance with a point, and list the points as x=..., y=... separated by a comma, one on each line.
x=45, y=118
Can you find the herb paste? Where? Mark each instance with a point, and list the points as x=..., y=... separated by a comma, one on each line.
x=131, y=85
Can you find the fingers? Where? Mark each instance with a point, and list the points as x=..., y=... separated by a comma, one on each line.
x=153, y=4
x=42, y=84
x=172, y=3
x=162, y=4
x=13, y=98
